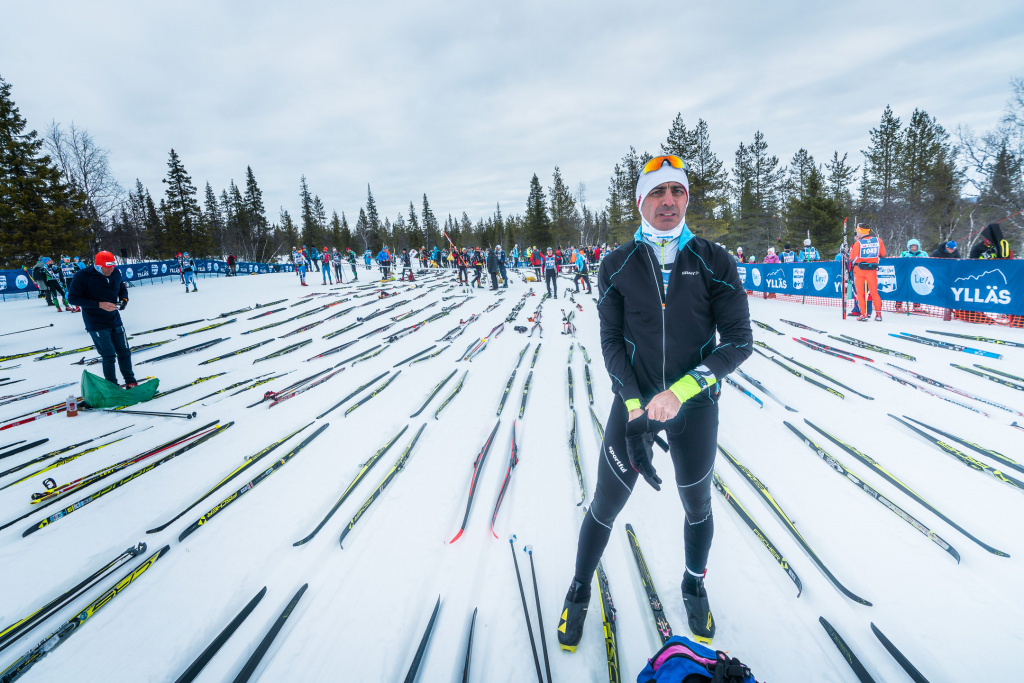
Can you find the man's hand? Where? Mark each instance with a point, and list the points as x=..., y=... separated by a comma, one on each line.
x=663, y=407
x=107, y=306
x=639, y=448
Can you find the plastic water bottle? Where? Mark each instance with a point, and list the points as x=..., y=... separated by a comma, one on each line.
x=72, y=406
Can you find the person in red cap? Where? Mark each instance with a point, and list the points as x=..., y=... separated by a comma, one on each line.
x=102, y=294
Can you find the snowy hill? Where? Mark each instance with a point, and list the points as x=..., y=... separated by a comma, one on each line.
x=368, y=604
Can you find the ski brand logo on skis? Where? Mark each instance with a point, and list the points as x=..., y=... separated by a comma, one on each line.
x=775, y=279
x=886, y=278
x=989, y=287
x=798, y=278
x=922, y=280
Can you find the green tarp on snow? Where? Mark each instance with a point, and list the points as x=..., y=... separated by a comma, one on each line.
x=99, y=393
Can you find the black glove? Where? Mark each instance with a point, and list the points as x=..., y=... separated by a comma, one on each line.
x=639, y=448
x=124, y=304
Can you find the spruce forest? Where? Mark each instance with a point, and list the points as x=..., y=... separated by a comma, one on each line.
x=915, y=179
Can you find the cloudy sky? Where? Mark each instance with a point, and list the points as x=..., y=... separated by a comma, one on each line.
x=464, y=101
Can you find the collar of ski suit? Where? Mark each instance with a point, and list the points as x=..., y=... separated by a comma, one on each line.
x=666, y=243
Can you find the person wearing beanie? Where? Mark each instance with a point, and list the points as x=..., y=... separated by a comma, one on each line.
x=864, y=255
x=788, y=255
x=102, y=294
x=771, y=257
x=946, y=250
x=914, y=250
x=808, y=253
x=739, y=255
x=674, y=322
x=992, y=244
x=551, y=272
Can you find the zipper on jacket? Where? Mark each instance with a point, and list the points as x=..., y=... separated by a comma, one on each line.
x=659, y=282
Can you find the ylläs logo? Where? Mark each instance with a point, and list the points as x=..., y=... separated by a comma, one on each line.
x=820, y=279
x=776, y=279
x=887, y=278
x=757, y=277
x=798, y=278
x=922, y=280
x=989, y=287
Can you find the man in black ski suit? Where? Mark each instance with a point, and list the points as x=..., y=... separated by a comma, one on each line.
x=662, y=298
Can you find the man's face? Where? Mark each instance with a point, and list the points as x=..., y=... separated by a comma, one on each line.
x=949, y=250
x=913, y=248
x=664, y=206
x=107, y=270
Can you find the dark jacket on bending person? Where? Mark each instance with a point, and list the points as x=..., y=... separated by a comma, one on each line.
x=648, y=345
x=88, y=288
x=996, y=246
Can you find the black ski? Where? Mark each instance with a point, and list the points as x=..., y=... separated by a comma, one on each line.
x=477, y=467
x=571, y=397
x=653, y=601
x=867, y=460
x=251, y=484
x=72, y=626
x=898, y=656
x=786, y=522
x=360, y=388
x=168, y=327
x=182, y=352
x=363, y=470
x=26, y=624
x=433, y=393
x=802, y=326
x=249, y=462
x=513, y=460
x=418, y=353
x=288, y=349
x=574, y=450
x=336, y=349
x=261, y=649
x=1009, y=462
x=399, y=465
x=207, y=327
x=862, y=674
x=469, y=648
x=797, y=373
x=526, y=392
x=414, y=668
x=194, y=669
x=765, y=326
x=871, y=491
x=456, y=390
x=383, y=385
x=990, y=377
x=764, y=390
x=730, y=498
x=611, y=639
x=590, y=385
x=973, y=337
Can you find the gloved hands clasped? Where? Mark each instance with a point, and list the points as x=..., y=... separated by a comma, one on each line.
x=640, y=449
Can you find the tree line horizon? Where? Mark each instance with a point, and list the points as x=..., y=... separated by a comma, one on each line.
x=58, y=196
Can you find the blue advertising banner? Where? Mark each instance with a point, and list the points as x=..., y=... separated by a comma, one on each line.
x=989, y=286
x=16, y=282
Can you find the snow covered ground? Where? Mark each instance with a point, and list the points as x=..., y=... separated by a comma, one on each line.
x=368, y=604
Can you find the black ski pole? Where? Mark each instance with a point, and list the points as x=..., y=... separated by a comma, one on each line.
x=28, y=330
x=526, y=611
x=540, y=618
x=186, y=416
x=415, y=666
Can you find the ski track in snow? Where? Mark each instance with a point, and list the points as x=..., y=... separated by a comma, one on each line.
x=368, y=604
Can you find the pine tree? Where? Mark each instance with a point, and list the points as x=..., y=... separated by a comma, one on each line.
x=182, y=217
x=256, y=214
x=757, y=187
x=363, y=234
x=430, y=227
x=320, y=219
x=840, y=176
x=564, y=217
x=709, y=182
x=624, y=215
x=537, y=223
x=310, y=234
x=346, y=234
x=799, y=170
x=401, y=234
x=372, y=219
x=499, y=225
x=680, y=141
x=39, y=214
x=289, y=232
x=416, y=234
x=881, y=167
x=213, y=219
x=815, y=214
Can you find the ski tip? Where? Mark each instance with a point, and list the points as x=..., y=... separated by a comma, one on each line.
x=567, y=648
x=792, y=410
x=701, y=639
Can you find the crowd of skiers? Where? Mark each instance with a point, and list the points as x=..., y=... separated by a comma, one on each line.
x=546, y=265
x=54, y=280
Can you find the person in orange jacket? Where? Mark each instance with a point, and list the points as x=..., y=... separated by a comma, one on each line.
x=864, y=257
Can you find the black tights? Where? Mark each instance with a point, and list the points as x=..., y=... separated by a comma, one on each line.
x=692, y=437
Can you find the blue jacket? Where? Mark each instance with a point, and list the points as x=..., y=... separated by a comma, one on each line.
x=88, y=288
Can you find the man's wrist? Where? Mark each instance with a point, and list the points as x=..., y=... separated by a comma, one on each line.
x=692, y=383
x=633, y=404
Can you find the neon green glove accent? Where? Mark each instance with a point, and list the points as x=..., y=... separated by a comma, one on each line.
x=693, y=383
x=633, y=404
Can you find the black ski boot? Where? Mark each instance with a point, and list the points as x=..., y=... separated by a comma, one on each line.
x=698, y=612
x=574, y=613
